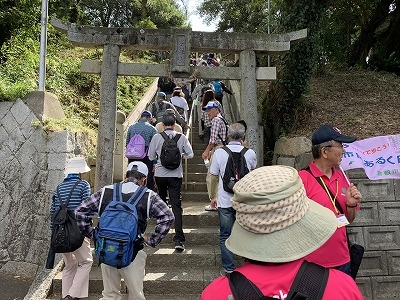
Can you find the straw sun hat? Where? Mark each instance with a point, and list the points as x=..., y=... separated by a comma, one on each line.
x=275, y=221
x=76, y=165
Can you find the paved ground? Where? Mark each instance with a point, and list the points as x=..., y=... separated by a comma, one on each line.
x=13, y=287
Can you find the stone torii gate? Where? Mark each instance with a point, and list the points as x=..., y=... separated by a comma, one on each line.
x=181, y=42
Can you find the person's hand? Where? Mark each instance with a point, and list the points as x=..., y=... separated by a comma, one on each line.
x=205, y=155
x=213, y=203
x=353, y=195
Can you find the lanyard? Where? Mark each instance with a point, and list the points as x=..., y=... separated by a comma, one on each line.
x=329, y=194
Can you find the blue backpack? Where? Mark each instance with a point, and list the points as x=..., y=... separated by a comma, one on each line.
x=117, y=230
x=217, y=87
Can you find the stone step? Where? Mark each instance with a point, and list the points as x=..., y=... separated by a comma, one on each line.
x=196, y=159
x=199, y=186
x=196, y=176
x=193, y=236
x=199, y=197
x=196, y=167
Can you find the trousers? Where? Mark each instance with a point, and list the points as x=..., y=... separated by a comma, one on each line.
x=133, y=276
x=75, y=275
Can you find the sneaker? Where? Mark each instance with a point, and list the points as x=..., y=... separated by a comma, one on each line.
x=209, y=208
x=223, y=272
x=68, y=297
x=179, y=246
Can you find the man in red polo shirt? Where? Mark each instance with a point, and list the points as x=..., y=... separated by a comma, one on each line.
x=328, y=186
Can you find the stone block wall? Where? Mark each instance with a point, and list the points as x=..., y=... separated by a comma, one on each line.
x=32, y=163
x=376, y=227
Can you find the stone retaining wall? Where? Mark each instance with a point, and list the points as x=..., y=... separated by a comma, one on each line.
x=32, y=163
x=376, y=226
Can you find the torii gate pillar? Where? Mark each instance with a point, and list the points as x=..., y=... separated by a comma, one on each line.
x=107, y=115
x=248, y=90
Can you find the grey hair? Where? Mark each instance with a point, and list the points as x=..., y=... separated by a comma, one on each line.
x=169, y=119
x=236, y=132
x=316, y=149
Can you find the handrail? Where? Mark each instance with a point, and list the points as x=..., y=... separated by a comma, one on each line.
x=189, y=136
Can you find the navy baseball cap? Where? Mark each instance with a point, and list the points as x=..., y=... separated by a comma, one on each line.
x=147, y=113
x=326, y=133
x=161, y=95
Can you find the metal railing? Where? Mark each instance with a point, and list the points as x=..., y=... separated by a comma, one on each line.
x=189, y=136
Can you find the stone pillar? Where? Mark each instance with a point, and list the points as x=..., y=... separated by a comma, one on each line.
x=120, y=161
x=107, y=116
x=248, y=96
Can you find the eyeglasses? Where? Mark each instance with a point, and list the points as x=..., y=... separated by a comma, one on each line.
x=335, y=146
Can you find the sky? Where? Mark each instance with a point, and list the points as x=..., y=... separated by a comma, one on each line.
x=196, y=20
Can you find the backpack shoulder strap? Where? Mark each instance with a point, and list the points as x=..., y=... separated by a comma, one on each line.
x=70, y=193
x=137, y=195
x=164, y=135
x=309, y=283
x=244, y=150
x=177, y=137
x=226, y=148
x=243, y=289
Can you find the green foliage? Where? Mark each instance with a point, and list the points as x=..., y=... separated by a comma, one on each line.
x=18, y=72
x=245, y=16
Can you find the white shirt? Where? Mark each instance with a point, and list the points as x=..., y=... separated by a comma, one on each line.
x=179, y=102
x=217, y=168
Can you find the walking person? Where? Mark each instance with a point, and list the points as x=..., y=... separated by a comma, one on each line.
x=219, y=88
x=276, y=227
x=149, y=206
x=160, y=106
x=328, y=186
x=180, y=103
x=75, y=275
x=144, y=128
x=218, y=169
x=207, y=97
x=168, y=148
x=218, y=133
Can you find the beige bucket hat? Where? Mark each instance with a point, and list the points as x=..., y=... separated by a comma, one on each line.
x=76, y=165
x=275, y=221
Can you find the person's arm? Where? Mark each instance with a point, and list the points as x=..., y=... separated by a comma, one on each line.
x=164, y=219
x=187, y=149
x=151, y=152
x=353, y=197
x=85, y=211
x=225, y=89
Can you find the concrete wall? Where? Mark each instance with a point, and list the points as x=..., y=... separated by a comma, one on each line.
x=32, y=163
x=377, y=225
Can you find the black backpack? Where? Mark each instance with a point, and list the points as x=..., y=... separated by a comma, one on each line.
x=170, y=155
x=65, y=235
x=309, y=284
x=235, y=169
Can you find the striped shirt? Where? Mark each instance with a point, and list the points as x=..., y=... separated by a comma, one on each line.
x=156, y=209
x=144, y=128
x=80, y=193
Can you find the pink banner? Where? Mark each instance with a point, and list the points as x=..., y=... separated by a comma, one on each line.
x=378, y=156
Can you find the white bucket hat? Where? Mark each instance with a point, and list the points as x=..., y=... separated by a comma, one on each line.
x=275, y=221
x=76, y=165
x=138, y=166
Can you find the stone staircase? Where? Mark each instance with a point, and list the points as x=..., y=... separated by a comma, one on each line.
x=171, y=274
